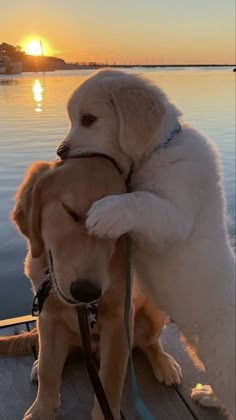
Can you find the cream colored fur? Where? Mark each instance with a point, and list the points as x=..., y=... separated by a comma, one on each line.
x=175, y=214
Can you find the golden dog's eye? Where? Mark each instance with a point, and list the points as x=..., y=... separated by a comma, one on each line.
x=75, y=216
x=87, y=120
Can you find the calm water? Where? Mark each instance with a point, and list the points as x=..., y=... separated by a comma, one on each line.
x=33, y=122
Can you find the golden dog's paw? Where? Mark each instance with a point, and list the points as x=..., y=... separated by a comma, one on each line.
x=167, y=370
x=39, y=415
x=40, y=412
x=32, y=416
x=34, y=372
x=204, y=395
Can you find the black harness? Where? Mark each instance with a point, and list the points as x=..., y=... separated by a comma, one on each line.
x=41, y=295
x=44, y=291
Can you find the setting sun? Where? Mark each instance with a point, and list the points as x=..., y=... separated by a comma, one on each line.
x=36, y=46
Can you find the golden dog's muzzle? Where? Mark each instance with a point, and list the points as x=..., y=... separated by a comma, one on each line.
x=82, y=291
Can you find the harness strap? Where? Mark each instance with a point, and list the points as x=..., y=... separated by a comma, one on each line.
x=41, y=295
x=92, y=371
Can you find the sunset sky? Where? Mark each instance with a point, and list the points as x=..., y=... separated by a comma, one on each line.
x=130, y=31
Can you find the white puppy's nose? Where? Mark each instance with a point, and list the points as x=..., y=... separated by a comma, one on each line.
x=63, y=150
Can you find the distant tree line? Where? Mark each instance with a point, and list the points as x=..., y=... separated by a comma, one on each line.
x=15, y=53
x=31, y=62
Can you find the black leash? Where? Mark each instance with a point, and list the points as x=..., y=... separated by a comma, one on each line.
x=92, y=370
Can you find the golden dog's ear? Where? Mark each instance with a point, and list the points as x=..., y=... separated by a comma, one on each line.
x=23, y=197
x=40, y=194
x=140, y=112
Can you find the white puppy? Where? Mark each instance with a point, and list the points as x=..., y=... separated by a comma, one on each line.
x=175, y=213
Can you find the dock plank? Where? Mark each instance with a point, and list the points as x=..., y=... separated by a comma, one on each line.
x=76, y=391
x=77, y=395
x=191, y=375
x=163, y=402
x=166, y=403
x=15, y=321
x=16, y=391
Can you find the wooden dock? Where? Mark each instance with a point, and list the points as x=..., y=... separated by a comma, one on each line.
x=17, y=392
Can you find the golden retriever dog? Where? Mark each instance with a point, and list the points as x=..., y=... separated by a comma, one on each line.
x=175, y=213
x=50, y=211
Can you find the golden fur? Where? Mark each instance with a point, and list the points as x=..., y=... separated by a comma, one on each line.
x=41, y=216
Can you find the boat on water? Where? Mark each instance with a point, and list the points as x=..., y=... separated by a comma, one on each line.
x=9, y=66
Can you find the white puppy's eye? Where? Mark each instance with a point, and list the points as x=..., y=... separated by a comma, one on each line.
x=87, y=119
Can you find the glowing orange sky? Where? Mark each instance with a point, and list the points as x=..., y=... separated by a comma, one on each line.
x=131, y=31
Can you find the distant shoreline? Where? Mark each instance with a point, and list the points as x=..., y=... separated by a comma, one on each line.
x=42, y=63
x=69, y=66
x=153, y=65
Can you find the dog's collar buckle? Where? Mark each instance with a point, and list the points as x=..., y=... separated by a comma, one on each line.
x=41, y=295
x=92, y=310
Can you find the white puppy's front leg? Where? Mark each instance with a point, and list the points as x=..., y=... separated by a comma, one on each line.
x=138, y=212
x=110, y=216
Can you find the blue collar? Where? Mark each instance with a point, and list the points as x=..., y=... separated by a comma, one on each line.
x=163, y=145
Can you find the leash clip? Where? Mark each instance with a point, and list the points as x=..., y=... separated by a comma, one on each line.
x=41, y=296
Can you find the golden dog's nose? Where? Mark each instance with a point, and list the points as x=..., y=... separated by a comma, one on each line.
x=84, y=291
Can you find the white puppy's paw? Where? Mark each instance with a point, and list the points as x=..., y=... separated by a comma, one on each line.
x=108, y=217
x=34, y=372
x=204, y=395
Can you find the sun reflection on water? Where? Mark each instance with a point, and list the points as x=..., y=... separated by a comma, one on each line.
x=38, y=95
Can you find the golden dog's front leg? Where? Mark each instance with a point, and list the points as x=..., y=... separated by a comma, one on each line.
x=113, y=364
x=52, y=355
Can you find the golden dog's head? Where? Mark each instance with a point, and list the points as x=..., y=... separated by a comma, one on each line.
x=51, y=207
x=118, y=114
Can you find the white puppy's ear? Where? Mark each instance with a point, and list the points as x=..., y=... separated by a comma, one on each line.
x=140, y=112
